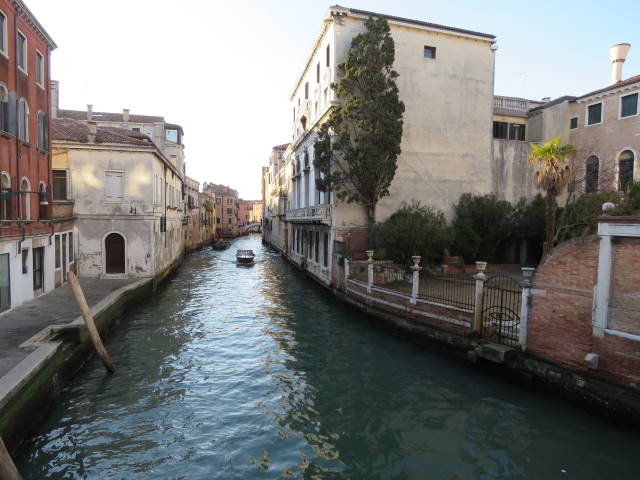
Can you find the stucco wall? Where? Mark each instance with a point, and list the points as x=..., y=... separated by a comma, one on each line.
x=513, y=177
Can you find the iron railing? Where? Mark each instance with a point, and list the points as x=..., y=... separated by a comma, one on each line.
x=501, y=309
x=358, y=271
x=456, y=289
x=392, y=277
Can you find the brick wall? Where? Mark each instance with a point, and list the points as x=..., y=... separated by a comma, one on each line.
x=560, y=318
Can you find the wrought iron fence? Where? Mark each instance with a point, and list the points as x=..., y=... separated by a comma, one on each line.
x=358, y=271
x=501, y=309
x=456, y=289
x=392, y=277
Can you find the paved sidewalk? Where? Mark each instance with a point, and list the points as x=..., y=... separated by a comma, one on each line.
x=56, y=307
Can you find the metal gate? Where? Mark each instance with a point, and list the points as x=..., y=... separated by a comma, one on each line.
x=501, y=309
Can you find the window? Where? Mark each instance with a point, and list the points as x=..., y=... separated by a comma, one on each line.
x=328, y=55
x=625, y=169
x=429, y=52
x=43, y=140
x=22, y=52
x=113, y=186
x=629, y=105
x=573, y=123
x=25, y=260
x=594, y=114
x=57, y=254
x=592, y=168
x=23, y=120
x=3, y=33
x=318, y=73
x=217, y=219
x=229, y=220
x=4, y=109
x=172, y=135
x=325, y=245
x=38, y=269
x=500, y=129
x=135, y=129
x=306, y=91
x=25, y=199
x=71, y=259
x=59, y=184
x=229, y=211
x=516, y=131
x=39, y=69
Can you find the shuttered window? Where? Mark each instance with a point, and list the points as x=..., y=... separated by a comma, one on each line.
x=594, y=114
x=113, y=186
x=629, y=105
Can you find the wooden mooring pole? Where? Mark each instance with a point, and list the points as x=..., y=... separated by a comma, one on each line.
x=91, y=326
x=8, y=470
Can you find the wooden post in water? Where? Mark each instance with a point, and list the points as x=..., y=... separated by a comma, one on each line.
x=91, y=326
x=8, y=470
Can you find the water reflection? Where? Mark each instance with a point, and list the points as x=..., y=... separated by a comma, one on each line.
x=257, y=373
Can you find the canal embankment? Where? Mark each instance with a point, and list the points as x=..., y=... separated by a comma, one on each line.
x=449, y=328
x=44, y=343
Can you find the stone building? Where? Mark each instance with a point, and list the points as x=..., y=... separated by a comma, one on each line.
x=192, y=217
x=27, y=247
x=127, y=196
x=207, y=218
x=227, y=209
x=445, y=71
x=276, y=178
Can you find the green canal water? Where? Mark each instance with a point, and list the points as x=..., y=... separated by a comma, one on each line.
x=256, y=373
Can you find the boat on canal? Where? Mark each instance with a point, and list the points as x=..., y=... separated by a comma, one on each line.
x=220, y=244
x=245, y=257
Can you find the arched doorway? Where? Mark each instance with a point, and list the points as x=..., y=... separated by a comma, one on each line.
x=114, y=249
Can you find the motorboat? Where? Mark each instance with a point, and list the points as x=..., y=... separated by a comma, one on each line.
x=220, y=244
x=245, y=257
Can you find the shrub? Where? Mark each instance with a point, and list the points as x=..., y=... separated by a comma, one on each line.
x=413, y=230
x=480, y=225
x=579, y=217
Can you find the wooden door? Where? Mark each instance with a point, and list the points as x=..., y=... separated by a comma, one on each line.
x=114, y=251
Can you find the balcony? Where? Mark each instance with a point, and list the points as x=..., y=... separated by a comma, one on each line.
x=315, y=214
x=511, y=105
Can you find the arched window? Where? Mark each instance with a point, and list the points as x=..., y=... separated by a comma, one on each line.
x=5, y=198
x=4, y=109
x=625, y=169
x=23, y=120
x=42, y=200
x=592, y=168
x=42, y=131
x=25, y=199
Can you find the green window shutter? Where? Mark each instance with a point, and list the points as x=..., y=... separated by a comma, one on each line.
x=629, y=105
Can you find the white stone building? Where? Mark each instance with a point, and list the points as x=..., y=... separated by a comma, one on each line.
x=128, y=200
x=446, y=84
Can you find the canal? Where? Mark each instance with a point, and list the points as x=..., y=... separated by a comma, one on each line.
x=255, y=372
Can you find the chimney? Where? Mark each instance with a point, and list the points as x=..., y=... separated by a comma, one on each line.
x=125, y=114
x=618, y=54
x=89, y=113
x=92, y=131
x=54, y=88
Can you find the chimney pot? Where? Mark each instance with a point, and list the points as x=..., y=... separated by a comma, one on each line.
x=125, y=114
x=618, y=54
x=89, y=112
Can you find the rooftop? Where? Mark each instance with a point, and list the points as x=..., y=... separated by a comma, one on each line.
x=70, y=130
x=622, y=83
x=115, y=117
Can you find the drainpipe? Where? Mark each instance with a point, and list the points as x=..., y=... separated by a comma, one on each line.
x=17, y=106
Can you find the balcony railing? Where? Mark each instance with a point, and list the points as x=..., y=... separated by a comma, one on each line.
x=315, y=214
x=514, y=104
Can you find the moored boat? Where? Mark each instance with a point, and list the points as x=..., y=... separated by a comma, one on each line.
x=220, y=244
x=245, y=257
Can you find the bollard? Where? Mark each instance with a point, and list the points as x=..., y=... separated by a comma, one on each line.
x=91, y=326
x=8, y=470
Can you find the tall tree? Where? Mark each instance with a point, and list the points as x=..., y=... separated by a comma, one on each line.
x=553, y=175
x=358, y=146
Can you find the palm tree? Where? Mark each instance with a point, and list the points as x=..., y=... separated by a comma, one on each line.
x=553, y=175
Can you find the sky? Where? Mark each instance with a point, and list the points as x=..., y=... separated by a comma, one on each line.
x=224, y=70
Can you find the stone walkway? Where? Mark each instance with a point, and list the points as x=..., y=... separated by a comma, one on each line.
x=56, y=307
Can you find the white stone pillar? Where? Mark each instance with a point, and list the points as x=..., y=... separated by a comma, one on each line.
x=346, y=271
x=603, y=287
x=416, y=277
x=480, y=278
x=523, y=328
x=369, y=270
